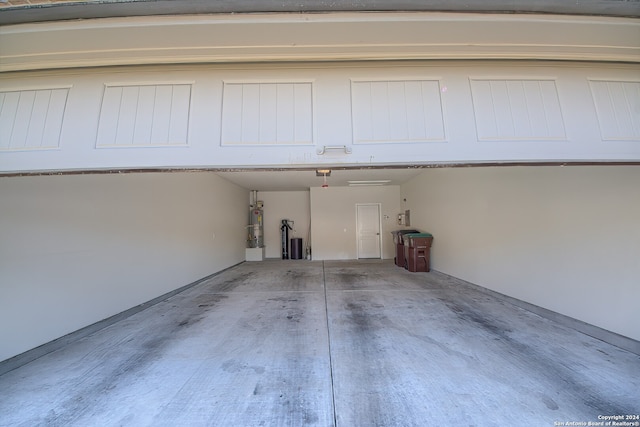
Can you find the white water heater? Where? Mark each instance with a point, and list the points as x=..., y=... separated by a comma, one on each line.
x=255, y=237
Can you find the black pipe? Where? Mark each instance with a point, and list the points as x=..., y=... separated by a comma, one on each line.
x=284, y=230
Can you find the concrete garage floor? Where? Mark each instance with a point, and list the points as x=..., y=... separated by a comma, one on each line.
x=293, y=343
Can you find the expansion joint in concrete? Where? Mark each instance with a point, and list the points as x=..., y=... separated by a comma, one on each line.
x=326, y=308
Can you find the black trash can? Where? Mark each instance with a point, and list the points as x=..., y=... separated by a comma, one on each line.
x=296, y=248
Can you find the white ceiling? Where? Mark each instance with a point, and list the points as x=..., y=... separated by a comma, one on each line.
x=296, y=180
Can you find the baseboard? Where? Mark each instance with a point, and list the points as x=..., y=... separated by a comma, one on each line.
x=51, y=346
x=601, y=334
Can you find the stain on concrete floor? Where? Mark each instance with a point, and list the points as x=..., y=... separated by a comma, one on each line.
x=291, y=343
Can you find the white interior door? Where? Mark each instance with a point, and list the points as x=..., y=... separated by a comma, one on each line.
x=368, y=228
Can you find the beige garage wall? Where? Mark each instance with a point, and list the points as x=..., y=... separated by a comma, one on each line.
x=333, y=219
x=563, y=238
x=279, y=205
x=78, y=249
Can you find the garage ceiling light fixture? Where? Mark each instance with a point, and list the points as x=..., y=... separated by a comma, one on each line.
x=368, y=183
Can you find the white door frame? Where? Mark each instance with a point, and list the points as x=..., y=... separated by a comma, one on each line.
x=379, y=205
